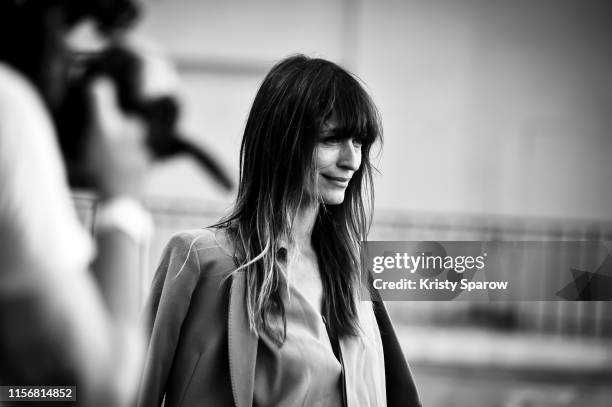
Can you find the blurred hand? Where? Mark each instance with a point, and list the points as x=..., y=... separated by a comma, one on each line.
x=116, y=154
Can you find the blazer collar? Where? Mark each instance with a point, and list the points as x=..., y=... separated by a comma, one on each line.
x=242, y=344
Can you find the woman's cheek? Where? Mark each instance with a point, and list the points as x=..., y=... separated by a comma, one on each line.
x=326, y=156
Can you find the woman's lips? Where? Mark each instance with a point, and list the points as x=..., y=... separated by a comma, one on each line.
x=338, y=181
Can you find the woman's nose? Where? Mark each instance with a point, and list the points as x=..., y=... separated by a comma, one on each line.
x=350, y=155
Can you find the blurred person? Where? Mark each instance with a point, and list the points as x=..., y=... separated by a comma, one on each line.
x=264, y=308
x=61, y=324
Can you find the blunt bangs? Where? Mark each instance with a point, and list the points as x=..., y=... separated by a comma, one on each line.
x=354, y=111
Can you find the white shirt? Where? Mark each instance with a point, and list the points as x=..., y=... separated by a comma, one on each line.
x=44, y=262
x=304, y=370
x=39, y=229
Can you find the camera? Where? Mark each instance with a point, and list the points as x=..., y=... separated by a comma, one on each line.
x=39, y=25
x=160, y=114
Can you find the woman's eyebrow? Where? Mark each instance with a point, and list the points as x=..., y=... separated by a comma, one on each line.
x=336, y=134
x=327, y=131
x=328, y=128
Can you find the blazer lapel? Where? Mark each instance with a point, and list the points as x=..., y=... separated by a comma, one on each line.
x=242, y=344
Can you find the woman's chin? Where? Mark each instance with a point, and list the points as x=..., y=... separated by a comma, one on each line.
x=335, y=198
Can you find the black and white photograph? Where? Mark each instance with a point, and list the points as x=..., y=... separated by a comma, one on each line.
x=281, y=203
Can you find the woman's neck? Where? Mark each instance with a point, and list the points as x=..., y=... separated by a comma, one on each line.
x=303, y=224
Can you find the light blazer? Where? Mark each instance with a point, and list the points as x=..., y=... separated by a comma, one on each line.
x=201, y=351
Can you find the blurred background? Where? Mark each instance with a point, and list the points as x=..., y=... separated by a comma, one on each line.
x=498, y=126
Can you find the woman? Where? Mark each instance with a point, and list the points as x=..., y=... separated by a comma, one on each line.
x=264, y=308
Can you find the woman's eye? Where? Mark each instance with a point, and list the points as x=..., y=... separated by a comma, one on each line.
x=357, y=143
x=331, y=141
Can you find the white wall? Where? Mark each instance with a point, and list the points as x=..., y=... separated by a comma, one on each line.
x=491, y=107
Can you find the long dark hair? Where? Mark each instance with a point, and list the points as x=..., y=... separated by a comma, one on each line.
x=295, y=100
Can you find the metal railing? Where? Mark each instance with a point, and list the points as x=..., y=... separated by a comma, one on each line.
x=591, y=319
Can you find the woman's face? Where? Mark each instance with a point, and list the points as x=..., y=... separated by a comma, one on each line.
x=336, y=160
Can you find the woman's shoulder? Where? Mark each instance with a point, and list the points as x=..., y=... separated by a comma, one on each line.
x=207, y=243
x=196, y=258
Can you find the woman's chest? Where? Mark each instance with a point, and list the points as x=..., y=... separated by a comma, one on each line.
x=303, y=273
